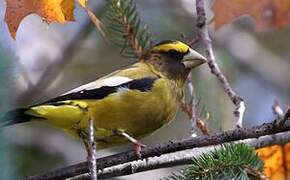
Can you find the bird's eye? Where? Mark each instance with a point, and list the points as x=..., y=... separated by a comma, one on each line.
x=175, y=54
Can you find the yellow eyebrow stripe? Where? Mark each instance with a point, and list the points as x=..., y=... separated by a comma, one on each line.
x=178, y=46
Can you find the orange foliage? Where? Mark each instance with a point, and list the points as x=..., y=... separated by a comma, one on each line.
x=266, y=13
x=49, y=10
x=277, y=161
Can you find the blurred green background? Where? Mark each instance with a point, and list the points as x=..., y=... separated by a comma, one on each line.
x=256, y=64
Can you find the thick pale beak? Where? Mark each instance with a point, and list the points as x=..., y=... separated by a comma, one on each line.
x=193, y=59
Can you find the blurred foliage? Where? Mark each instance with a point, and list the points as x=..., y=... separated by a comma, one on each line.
x=30, y=160
x=5, y=74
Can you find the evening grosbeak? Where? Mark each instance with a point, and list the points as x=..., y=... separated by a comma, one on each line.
x=129, y=103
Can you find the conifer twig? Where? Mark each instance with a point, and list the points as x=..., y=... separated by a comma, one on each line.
x=124, y=28
x=203, y=34
x=132, y=40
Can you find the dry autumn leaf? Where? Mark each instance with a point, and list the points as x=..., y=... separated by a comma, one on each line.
x=266, y=13
x=49, y=10
x=277, y=161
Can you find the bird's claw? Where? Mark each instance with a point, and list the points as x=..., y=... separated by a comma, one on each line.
x=138, y=147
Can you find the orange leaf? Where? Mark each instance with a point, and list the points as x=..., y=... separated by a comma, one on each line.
x=277, y=161
x=50, y=10
x=266, y=13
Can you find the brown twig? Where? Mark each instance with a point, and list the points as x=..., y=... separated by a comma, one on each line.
x=193, y=41
x=203, y=34
x=191, y=111
x=132, y=40
x=172, y=146
x=97, y=22
x=193, y=114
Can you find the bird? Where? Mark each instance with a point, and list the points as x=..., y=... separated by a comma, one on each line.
x=125, y=105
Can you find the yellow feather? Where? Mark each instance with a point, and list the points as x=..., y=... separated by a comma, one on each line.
x=177, y=45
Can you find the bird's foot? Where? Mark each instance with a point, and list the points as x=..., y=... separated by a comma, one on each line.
x=137, y=144
x=138, y=147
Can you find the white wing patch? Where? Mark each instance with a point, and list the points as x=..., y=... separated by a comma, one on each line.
x=115, y=81
x=110, y=81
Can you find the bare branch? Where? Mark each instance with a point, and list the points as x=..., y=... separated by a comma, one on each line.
x=93, y=151
x=173, y=146
x=203, y=34
x=190, y=109
x=97, y=22
x=193, y=116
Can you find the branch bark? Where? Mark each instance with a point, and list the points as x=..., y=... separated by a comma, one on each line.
x=203, y=34
x=93, y=151
x=173, y=146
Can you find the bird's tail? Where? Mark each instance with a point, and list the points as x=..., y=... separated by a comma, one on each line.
x=15, y=117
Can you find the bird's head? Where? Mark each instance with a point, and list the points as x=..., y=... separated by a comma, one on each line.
x=173, y=59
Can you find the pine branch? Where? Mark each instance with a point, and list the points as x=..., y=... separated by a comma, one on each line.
x=124, y=28
x=173, y=146
x=231, y=161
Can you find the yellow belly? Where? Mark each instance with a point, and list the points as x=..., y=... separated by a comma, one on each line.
x=137, y=113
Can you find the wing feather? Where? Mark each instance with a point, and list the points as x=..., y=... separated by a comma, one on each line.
x=100, y=92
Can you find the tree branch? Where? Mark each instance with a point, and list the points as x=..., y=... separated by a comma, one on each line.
x=173, y=146
x=92, y=159
x=203, y=34
x=182, y=158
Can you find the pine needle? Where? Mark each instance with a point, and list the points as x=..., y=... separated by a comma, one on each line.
x=124, y=28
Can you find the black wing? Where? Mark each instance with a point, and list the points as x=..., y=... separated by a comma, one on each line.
x=144, y=84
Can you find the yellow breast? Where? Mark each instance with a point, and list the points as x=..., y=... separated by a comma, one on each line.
x=137, y=113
